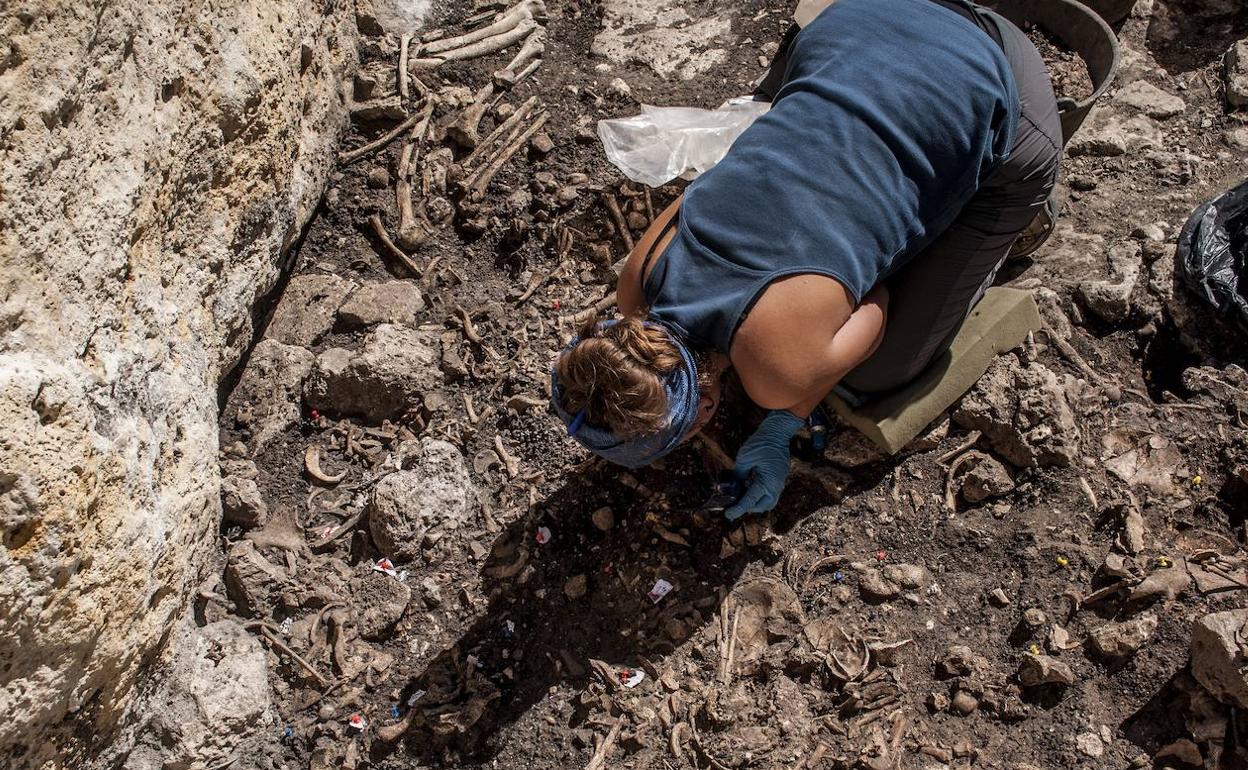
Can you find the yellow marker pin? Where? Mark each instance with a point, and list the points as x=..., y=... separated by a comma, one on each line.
x=1062, y=561
x=1034, y=649
x=1196, y=480
x=1163, y=561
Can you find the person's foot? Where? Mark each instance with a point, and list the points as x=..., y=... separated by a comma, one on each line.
x=1037, y=232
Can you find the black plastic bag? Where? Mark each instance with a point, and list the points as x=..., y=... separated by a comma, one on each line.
x=1213, y=248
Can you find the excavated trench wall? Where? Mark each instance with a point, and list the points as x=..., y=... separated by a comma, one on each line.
x=157, y=161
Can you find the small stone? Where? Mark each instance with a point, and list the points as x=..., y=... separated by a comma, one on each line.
x=1082, y=182
x=541, y=144
x=576, y=586
x=241, y=502
x=876, y=588
x=960, y=660
x=1036, y=670
x=675, y=630
x=1219, y=660
x=566, y=195
x=908, y=575
x=1237, y=138
x=937, y=702
x=544, y=181
x=637, y=220
x=851, y=449
x=252, y=581
x=963, y=703
x=379, y=600
x=1149, y=232
x=988, y=479
x=1133, y=532
x=1089, y=744
x=1183, y=754
x=378, y=177
x=1106, y=143
x=432, y=498
x=431, y=592
x=999, y=598
x=603, y=518
x=1034, y=618
x=1118, y=640
x=1151, y=100
x=1236, y=63
x=583, y=130
x=619, y=87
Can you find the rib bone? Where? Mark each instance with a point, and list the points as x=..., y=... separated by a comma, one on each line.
x=465, y=131
x=532, y=50
x=486, y=175
x=507, y=125
x=527, y=10
x=481, y=48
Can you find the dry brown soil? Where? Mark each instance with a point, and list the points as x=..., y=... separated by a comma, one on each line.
x=792, y=582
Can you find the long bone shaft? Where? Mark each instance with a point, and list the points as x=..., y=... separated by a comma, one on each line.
x=505, y=22
x=481, y=48
x=532, y=50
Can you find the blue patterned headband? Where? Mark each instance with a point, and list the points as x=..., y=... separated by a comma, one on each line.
x=681, y=386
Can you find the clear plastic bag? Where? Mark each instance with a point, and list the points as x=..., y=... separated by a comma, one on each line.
x=663, y=143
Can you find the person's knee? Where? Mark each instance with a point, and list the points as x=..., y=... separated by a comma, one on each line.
x=879, y=375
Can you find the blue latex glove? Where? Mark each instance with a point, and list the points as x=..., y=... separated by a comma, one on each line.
x=764, y=459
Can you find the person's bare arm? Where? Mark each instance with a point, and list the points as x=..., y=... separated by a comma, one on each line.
x=628, y=288
x=785, y=362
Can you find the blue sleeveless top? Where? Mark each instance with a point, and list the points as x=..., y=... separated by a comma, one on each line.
x=891, y=114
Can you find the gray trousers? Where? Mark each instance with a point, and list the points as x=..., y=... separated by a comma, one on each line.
x=931, y=296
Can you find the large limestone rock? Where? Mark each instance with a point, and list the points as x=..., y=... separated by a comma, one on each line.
x=1220, y=655
x=157, y=161
x=307, y=308
x=392, y=373
x=675, y=38
x=216, y=701
x=1023, y=414
x=392, y=302
x=411, y=508
x=268, y=397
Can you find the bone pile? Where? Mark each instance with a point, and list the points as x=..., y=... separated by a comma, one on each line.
x=428, y=178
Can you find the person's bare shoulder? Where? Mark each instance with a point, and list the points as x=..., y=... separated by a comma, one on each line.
x=781, y=351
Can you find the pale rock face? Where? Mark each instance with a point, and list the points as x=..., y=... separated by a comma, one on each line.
x=158, y=160
x=216, y=700
x=1236, y=63
x=675, y=38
